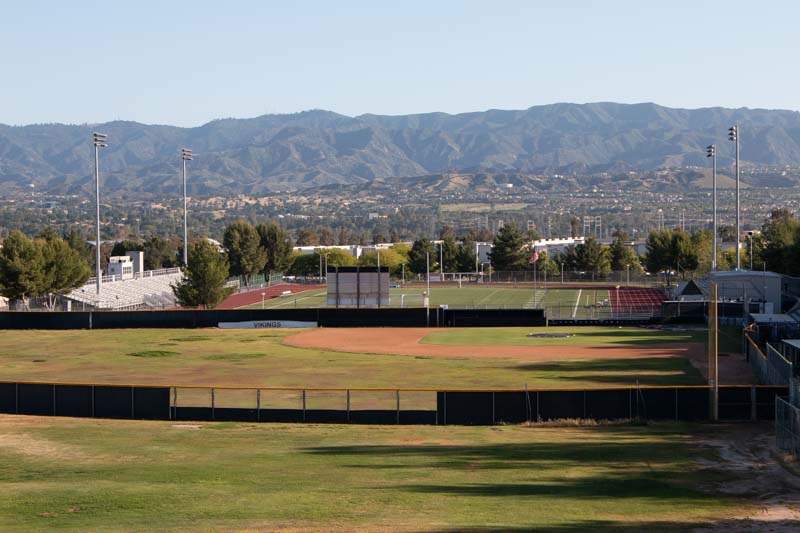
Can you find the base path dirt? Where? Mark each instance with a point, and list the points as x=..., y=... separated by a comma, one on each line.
x=407, y=341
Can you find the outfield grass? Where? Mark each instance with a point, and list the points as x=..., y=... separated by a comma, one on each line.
x=103, y=475
x=560, y=303
x=214, y=357
x=581, y=336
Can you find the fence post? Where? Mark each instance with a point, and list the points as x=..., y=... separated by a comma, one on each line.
x=397, y=397
x=175, y=402
x=348, y=405
x=304, y=405
x=258, y=405
x=212, y=403
x=676, y=403
x=753, y=409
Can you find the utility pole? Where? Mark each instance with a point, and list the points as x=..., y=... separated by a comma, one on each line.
x=186, y=155
x=100, y=141
x=711, y=151
x=733, y=135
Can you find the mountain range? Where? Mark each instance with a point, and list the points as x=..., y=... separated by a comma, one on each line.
x=316, y=148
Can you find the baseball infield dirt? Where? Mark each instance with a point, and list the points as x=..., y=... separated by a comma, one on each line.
x=407, y=341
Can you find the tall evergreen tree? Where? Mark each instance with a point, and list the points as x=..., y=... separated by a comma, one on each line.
x=243, y=245
x=466, y=258
x=623, y=257
x=204, y=279
x=63, y=269
x=418, y=256
x=508, y=250
x=278, y=247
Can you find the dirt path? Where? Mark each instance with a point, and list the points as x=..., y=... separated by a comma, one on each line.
x=407, y=341
x=753, y=469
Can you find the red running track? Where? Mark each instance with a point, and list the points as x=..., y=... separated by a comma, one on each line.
x=254, y=296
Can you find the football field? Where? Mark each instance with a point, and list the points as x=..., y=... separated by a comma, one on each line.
x=581, y=303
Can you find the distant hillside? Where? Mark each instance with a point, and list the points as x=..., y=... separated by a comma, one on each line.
x=315, y=148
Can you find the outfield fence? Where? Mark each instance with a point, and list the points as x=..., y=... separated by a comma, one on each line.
x=787, y=427
x=769, y=365
x=384, y=405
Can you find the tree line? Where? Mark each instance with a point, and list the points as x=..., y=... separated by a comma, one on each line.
x=50, y=265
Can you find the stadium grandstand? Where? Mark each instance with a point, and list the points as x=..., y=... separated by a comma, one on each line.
x=151, y=289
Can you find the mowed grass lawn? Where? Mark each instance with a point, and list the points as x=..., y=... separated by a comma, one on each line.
x=560, y=303
x=104, y=475
x=581, y=336
x=252, y=358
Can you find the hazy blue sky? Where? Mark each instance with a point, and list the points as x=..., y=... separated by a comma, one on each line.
x=186, y=63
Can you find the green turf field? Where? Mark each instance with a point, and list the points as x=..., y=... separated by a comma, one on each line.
x=581, y=336
x=560, y=303
x=106, y=475
x=258, y=358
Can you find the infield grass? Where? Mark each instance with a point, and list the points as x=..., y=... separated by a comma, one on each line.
x=253, y=358
x=104, y=475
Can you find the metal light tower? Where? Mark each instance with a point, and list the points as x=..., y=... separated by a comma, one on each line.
x=711, y=151
x=733, y=135
x=99, y=140
x=186, y=155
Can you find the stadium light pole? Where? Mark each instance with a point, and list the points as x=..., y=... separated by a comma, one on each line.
x=733, y=135
x=428, y=271
x=99, y=140
x=711, y=151
x=186, y=155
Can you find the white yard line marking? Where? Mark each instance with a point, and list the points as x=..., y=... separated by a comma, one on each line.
x=577, y=302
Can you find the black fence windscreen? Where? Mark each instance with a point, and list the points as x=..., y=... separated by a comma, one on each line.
x=451, y=407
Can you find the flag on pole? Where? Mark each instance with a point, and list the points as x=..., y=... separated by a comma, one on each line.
x=534, y=257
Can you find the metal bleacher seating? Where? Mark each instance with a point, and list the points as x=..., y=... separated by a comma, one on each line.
x=152, y=289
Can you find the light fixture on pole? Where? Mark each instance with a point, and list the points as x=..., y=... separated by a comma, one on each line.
x=186, y=155
x=711, y=151
x=99, y=140
x=733, y=135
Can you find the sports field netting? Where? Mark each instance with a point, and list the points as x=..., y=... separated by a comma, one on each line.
x=560, y=303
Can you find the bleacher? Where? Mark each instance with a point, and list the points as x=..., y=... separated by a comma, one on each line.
x=636, y=302
x=150, y=290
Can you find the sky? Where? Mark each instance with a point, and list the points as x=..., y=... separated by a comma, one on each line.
x=186, y=63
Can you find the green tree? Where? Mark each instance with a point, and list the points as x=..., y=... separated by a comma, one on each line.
x=307, y=237
x=755, y=244
x=669, y=250
x=622, y=256
x=63, y=269
x=21, y=267
x=508, y=249
x=310, y=264
x=546, y=265
x=278, y=247
x=591, y=256
x=78, y=243
x=126, y=246
x=449, y=254
x=325, y=236
x=389, y=258
x=466, y=260
x=243, y=246
x=203, y=284
x=421, y=250
x=781, y=233
x=160, y=253
x=574, y=227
